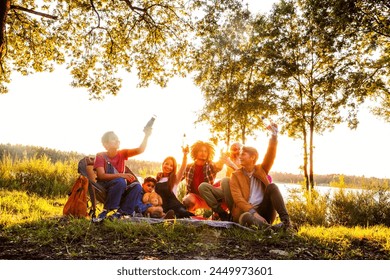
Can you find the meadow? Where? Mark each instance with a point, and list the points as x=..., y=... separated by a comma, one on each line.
x=33, y=191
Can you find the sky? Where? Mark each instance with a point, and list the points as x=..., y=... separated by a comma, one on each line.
x=44, y=110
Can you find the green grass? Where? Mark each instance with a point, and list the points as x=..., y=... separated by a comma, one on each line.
x=38, y=175
x=18, y=207
x=30, y=223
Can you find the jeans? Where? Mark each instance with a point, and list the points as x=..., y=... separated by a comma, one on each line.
x=126, y=199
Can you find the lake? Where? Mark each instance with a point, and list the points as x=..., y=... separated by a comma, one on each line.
x=286, y=188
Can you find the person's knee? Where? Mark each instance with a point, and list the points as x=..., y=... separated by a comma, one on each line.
x=189, y=202
x=272, y=190
x=204, y=188
x=272, y=187
x=119, y=182
x=225, y=184
x=225, y=181
x=137, y=188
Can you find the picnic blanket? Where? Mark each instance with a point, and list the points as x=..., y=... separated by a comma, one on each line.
x=194, y=222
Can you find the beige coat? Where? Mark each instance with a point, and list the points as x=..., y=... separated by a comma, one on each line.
x=240, y=183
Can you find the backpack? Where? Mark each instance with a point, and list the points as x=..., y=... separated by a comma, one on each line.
x=76, y=205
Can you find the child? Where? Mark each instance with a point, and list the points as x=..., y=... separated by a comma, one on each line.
x=156, y=210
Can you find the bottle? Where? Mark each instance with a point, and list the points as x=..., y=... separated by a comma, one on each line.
x=184, y=141
x=269, y=125
x=184, y=144
x=150, y=123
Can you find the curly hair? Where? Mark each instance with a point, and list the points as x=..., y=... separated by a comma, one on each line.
x=195, y=148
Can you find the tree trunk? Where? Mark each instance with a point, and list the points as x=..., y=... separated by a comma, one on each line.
x=311, y=161
x=305, y=156
x=243, y=138
x=4, y=9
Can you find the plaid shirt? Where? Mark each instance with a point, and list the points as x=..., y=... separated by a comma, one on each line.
x=210, y=171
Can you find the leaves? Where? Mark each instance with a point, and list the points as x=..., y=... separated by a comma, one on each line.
x=97, y=39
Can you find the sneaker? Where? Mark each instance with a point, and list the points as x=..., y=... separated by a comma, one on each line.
x=169, y=215
x=116, y=215
x=100, y=217
x=222, y=216
x=285, y=227
x=248, y=220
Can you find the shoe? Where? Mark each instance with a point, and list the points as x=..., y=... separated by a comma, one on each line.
x=248, y=220
x=100, y=217
x=169, y=215
x=285, y=227
x=116, y=216
x=155, y=215
x=222, y=216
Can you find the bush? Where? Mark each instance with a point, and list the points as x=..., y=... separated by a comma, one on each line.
x=306, y=207
x=365, y=208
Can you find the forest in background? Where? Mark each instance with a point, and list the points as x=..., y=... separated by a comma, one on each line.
x=146, y=168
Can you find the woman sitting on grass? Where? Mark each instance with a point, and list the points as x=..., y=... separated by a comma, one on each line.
x=167, y=182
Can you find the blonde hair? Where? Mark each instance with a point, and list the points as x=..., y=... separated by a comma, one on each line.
x=107, y=136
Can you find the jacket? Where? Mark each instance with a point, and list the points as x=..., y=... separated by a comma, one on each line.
x=240, y=182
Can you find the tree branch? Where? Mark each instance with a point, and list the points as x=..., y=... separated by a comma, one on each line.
x=15, y=7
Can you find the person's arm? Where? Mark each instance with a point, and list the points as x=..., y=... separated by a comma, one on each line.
x=219, y=164
x=270, y=155
x=231, y=164
x=103, y=176
x=142, y=147
x=180, y=173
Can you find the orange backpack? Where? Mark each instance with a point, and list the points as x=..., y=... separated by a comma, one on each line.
x=76, y=205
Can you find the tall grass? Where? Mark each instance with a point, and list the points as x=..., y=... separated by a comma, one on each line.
x=38, y=175
x=367, y=207
x=17, y=207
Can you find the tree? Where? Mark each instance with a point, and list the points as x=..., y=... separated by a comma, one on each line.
x=367, y=23
x=318, y=74
x=96, y=39
x=228, y=74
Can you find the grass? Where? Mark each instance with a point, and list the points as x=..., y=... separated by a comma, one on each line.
x=18, y=207
x=32, y=227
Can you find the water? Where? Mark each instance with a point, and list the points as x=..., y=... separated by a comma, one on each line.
x=323, y=190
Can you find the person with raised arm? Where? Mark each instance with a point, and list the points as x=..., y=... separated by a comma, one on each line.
x=202, y=171
x=257, y=201
x=167, y=182
x=124, y=192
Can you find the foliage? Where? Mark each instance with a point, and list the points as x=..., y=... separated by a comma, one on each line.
x=228, y=72
x=97, y=40
x=144, y=168
x=319, y=74
x=366, y=24
x=288, y=65
x=307, y=207
x=369, y=207
x=38, y=175
x=359, y=207
x=17, y=152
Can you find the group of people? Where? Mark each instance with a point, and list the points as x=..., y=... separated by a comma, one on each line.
x=246, y=195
